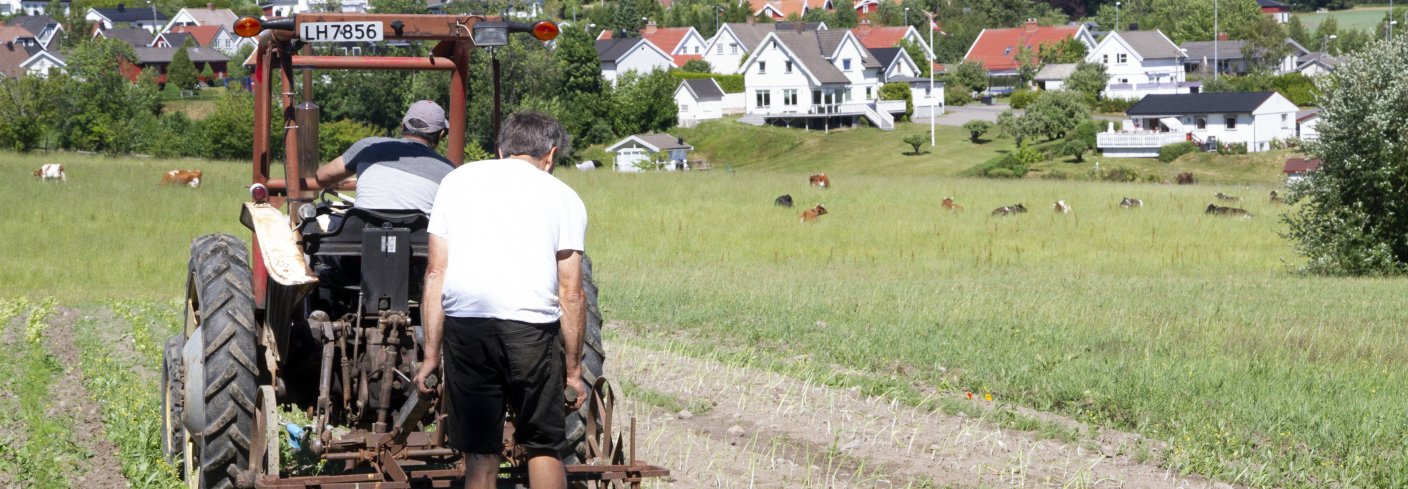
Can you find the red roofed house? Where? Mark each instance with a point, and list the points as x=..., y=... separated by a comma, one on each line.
x=997, y=48
x=1296, y=168
x=683, y=43
x=208, y=36
x=890, y=37
x=1277, y=10
x=781, y=9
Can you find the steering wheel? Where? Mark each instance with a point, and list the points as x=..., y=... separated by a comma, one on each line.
x=334, y=200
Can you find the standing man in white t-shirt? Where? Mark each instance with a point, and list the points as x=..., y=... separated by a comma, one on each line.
x=504, y=280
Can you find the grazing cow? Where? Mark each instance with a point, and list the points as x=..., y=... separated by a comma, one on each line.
x=1186, y=178
x=1228, y=198
x=189, y=178
x=1227, y=211
x=1061, y=206
x=810, y=215
x=1129, y=203
x=784, y=200
x=51, y=171
x=1275, y=197
x=949, y=204
x=1009, y=210
x=820, y=180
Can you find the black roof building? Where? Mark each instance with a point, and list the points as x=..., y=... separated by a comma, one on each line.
x=1199, y=103
x=121, y=14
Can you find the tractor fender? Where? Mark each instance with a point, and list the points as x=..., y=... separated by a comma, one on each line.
x=193, y=364
x=278, y=245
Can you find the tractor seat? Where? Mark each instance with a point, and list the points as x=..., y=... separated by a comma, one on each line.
x=344, y=237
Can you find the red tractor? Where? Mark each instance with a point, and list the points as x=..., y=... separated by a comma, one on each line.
x=267, y=332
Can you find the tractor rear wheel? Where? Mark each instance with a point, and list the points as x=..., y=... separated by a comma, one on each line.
x=173, y=433
x=593, y=357
x=222, y=303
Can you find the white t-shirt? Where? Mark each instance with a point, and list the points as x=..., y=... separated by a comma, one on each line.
x=505, y=221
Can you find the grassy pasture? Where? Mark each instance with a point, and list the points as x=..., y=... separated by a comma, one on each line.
x=1165, y=321
x=1363, y=17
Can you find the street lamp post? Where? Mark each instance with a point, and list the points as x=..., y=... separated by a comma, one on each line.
x=1215, y=37
x=933, y=136
x=906, y=16
x=153, y=6
x=717, y=9
x=1325, y=43
x=1117, y=17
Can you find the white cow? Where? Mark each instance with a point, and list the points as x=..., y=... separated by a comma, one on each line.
x=51, y=171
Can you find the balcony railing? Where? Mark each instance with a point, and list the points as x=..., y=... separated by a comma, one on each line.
x=1138, y=140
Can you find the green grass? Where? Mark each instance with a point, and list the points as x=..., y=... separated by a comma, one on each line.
x=48, y=455
x=728, y=143
x=1363, y=17
x=1164, y=321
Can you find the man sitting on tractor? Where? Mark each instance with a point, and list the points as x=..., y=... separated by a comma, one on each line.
x=396, y=174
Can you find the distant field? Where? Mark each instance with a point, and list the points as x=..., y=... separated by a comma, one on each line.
x=1364, y=18
x=1185, y=328
x=727, y=143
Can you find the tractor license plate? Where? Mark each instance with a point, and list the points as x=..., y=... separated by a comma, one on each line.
x=340, y=31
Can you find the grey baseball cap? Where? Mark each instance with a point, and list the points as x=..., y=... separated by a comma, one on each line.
x=424, y=116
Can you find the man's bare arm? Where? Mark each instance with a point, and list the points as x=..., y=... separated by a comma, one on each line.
x=333, y=173
x=574, y=318
x=432, y=312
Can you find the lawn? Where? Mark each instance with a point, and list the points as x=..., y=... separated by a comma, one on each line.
x=730, y=144
x=1363, y=17
x=196, y=107
x=1186, y=328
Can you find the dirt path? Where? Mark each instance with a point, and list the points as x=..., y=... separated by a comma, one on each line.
x=71, y=398
x=12, y=433
x=768, y=430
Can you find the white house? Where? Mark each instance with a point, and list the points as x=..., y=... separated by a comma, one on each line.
x=819, y=79
x=30, y=7
x=894, y=62
x=782, y=9
x=630, y=54
x=42, y=29
x=699, y=99
x=1141, y=63
x=1308, y=125
x=208, y=15
x=683, y=43
x=1316, y=64
x=1053, y=76
x=143, y=17
x=41, y=62
x=643, y=151
x=733, y=42
x=19, y=60
x=1251, y=118
x=928, y=96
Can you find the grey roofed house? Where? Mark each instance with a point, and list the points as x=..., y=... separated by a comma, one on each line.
x=808, y=49
x=704, y=88
x=121, y=14
x=1199, y=103
x=613, y=49
x=176, y=39
x=33, y=23
x=1323, y=58
x=164, y=55
x=1197, y=50
x=804, y=26
x=213, y=16
x=663, y=142
x=752, y=34
x=885, y=56
x=1151, y=44
x=134, y=36
x=11, y=56
x=1053, y=72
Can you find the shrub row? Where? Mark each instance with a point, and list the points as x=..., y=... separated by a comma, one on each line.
x=1173, y=151
x=729, y=83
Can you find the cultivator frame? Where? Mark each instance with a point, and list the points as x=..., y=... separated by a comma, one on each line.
x=400, y=456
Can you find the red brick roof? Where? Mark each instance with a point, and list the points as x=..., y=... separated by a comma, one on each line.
x=203, y=34
x=1300, y=165
x=681, y=59
x=997, y=48
x=666, y=38
x=879, y=37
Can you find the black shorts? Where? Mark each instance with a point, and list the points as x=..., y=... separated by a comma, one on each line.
x=493, y=364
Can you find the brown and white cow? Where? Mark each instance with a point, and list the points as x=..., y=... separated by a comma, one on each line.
x=811, y=215
x=1061, y=206
x=1129, y=203
x=820, y=180
x=1275, y=197
x=189, y=178
x=949, y=204
x=51, y=171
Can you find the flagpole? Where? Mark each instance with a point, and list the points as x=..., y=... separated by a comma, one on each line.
x=933, y=136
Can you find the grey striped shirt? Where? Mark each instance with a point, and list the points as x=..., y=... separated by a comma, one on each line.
x=396, y=173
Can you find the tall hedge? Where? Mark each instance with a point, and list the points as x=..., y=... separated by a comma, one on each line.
x=729, y=83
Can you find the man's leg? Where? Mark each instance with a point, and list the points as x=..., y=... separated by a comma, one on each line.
x=546, y=472
x=481, y=471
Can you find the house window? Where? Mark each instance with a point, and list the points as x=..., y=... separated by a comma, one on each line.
x=1121, y=58
x=867, y=93
x=1201, y=122
x=846, y=64
x=684, y=108
x=1124, y=80
x=1105, y=59
x=721, y=49
x=1231, y=122
x=928, y=92
x=762, y=67
x=1285, y=121
x=789, y=97
x=733, y=48
x=764, y=98
x=787, y=68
